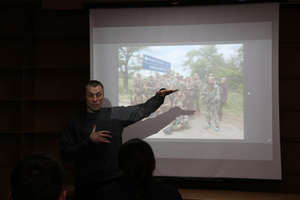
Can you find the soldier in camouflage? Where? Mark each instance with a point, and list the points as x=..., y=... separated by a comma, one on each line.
x=188, y=89
x=181, y=122
x=150, y=87
x=138, y=97
x=197, y=88
x=180, y=97
x=138, y=82
x=211, y=97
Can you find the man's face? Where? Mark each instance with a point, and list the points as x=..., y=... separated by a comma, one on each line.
x=210, y=80
x=94, y=97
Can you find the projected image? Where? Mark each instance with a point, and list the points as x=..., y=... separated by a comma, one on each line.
x=226, y=69
x=209, y=79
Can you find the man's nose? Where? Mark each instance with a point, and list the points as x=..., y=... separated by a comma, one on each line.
x=95, y=98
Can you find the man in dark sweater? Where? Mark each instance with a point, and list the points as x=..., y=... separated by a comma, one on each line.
x=92, y=138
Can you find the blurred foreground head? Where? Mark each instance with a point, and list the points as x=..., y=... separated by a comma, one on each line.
x=136, y=160
x=39, y=177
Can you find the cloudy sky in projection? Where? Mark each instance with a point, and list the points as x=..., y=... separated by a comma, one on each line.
x=176, y=55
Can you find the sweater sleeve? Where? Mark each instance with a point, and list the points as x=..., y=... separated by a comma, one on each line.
x=132, y=114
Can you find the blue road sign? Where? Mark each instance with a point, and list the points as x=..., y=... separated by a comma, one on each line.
x=155, y=64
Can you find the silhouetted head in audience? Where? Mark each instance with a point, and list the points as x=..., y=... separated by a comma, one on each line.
x=137, y=162
x=39, y=177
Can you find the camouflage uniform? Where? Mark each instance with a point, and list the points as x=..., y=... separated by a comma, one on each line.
x=138, y=83
x=150, y=87
x=188, y=90
x=138, y=98
x=177, y=84
x=181, y=122
x=211, y=97
x=197, y=87
x=171, y=81
x=157, y=79
x=180, y=97
x=163, y=83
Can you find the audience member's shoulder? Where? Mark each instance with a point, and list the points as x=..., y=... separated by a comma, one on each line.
x=115, y=190
x=162, y=184
x=165, y=191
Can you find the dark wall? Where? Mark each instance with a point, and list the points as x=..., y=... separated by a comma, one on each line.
x=26, y=42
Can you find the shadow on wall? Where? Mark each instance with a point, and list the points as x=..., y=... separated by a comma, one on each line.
x=150, y=126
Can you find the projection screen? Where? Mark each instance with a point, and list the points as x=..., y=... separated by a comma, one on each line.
x=178, y=47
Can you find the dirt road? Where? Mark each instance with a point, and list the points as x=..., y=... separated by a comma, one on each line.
x=231, y=127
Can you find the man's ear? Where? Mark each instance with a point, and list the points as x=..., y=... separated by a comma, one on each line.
x=9, y=195
x=63, y=195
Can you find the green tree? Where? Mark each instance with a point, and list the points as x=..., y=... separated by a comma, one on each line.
x=204, y=60
x=129, y=61
x=233, y=71
x=235, y=61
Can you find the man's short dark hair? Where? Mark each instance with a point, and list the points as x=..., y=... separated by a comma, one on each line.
x=39, y=177
x=93, y=83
